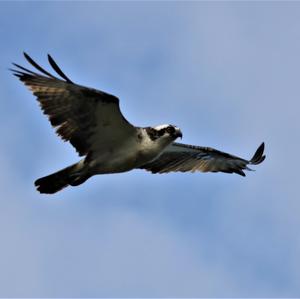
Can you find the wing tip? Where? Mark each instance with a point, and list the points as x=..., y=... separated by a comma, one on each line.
x=57, y=68
x=26, y=55
x=258, y=156
x=39, y=68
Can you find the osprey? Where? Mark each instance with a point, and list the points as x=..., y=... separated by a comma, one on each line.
x=92, y=122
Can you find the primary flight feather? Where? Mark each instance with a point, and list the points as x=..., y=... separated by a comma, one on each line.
x=92, y=122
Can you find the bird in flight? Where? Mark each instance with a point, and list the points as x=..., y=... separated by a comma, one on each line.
x=91, y=120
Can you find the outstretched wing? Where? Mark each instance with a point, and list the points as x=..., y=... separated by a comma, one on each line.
x=183, y=157
x=90, y=119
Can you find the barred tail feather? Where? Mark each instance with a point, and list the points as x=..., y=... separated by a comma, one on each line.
x=57, y=181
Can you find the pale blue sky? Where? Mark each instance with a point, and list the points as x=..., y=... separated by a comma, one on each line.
x=226, y=73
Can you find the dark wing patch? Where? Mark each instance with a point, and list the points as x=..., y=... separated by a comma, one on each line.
x=183, y=158
x=90, y=119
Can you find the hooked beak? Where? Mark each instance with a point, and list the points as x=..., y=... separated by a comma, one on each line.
x=178, y=133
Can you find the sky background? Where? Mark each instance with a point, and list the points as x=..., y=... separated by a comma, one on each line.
x=226, y=73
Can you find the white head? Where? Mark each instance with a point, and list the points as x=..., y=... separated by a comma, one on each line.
x=164, y=133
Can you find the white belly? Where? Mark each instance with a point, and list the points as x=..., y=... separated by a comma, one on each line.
x=123, y=159
x=131, y=154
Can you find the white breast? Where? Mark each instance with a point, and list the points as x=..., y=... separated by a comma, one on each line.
x=131, y=154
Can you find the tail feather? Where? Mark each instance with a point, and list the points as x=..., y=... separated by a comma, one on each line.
x=57, y=181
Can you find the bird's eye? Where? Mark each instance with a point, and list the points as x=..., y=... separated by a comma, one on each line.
x=170, y=130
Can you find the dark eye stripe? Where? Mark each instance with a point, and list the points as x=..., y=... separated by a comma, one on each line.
x=170, y=130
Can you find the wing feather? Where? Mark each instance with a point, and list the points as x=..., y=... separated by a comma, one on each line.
x=57, y=69
x=38, y=67
x=183, y=158
x=89, y=119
